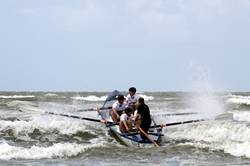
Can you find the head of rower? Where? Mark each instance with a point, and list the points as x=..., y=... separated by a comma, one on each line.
x=132, y=91
x=121, y=99
x=128, y=111
x=140, y=102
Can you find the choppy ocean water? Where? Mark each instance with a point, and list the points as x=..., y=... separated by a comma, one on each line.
x=29, y=136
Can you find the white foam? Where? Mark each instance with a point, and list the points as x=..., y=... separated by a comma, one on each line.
x=241, y=115
x=103, y=98
x=146, y=98
x=207, y=104
x=230, y=137
x=24, y=106
x=170, y=98
x=58, y=150
x=50, y=95
x=44, y=124
x=17, y=103
x=90, y=98
x=235, y=99
x=17, y=96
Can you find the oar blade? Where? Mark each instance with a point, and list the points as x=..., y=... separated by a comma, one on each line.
x=112, y=96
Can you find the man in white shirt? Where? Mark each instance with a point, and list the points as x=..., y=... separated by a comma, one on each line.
x=132, y=97
x=126, y=120
x=118, y=108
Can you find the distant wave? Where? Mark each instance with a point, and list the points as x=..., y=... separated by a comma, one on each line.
x=50, y=94
x=23, y=106
x=90, y=98
x=17, y=97
x=58, y=150
x=236, y=99
x=146, y=98
x=170, y=98
x=103, y=98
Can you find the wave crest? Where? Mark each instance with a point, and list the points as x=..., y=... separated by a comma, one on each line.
x=90, y=98
x=235, y=99
x=17, y=97
x=58, y=150
x=230, y=137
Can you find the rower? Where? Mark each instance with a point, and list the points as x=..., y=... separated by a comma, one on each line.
x=132, y=97
x=143, y=118
x=126, y=120
x=118, y=108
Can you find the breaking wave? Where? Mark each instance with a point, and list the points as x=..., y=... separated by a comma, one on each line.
x=58, y=150
x=235, y=99
x=50, y=95
x=230, y=137
x=103, y=98
x=17, y=97
x=50, y=124
x=146, y=98
x=90, y=98
x=241, y=116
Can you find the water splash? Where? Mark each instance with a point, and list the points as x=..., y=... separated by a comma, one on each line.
x=204, y=99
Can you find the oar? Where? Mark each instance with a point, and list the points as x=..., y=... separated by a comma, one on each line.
x=178, y=123
x=176, y=114
x=146, y=135
x=94, y=109
x=78, y=117
x=111, y=96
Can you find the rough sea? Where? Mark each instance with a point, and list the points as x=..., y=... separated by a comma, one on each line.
x=30, y=136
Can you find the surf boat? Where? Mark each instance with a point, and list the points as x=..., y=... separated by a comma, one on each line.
x=132, y=138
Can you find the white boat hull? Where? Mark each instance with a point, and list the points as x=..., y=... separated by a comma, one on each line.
x=134, y=138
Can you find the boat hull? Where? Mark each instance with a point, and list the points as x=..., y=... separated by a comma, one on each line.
x=134, y=138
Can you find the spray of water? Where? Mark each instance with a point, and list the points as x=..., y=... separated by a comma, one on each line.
x=204, y=99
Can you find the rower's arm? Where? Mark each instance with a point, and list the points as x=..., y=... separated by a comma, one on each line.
x=126, y=125
x=114, y=110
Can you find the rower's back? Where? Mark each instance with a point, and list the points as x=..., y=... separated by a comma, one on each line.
x=144, y=112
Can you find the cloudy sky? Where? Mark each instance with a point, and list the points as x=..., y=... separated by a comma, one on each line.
x=155, y=45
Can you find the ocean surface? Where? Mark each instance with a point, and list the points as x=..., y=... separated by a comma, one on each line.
x=30, y=136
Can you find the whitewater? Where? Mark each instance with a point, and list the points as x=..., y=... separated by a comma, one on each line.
x=30, y=136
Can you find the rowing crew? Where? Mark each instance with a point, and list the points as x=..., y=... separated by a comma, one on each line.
x=139, y=119
x=131, y=112
x=119, y=106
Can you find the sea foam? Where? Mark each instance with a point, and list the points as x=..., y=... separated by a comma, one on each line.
x=103, y=98
x=236, y=99
x=17, y=97
x=228, y=136
x=62, y=125
x=58, y=150
x=90, y=98
x=146, y=98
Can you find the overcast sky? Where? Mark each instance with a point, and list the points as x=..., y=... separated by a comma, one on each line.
x=155, y=45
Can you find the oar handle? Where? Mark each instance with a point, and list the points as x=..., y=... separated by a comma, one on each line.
x=146, y=135
x=94, y=109
x=178, y=123
x=78, y=117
